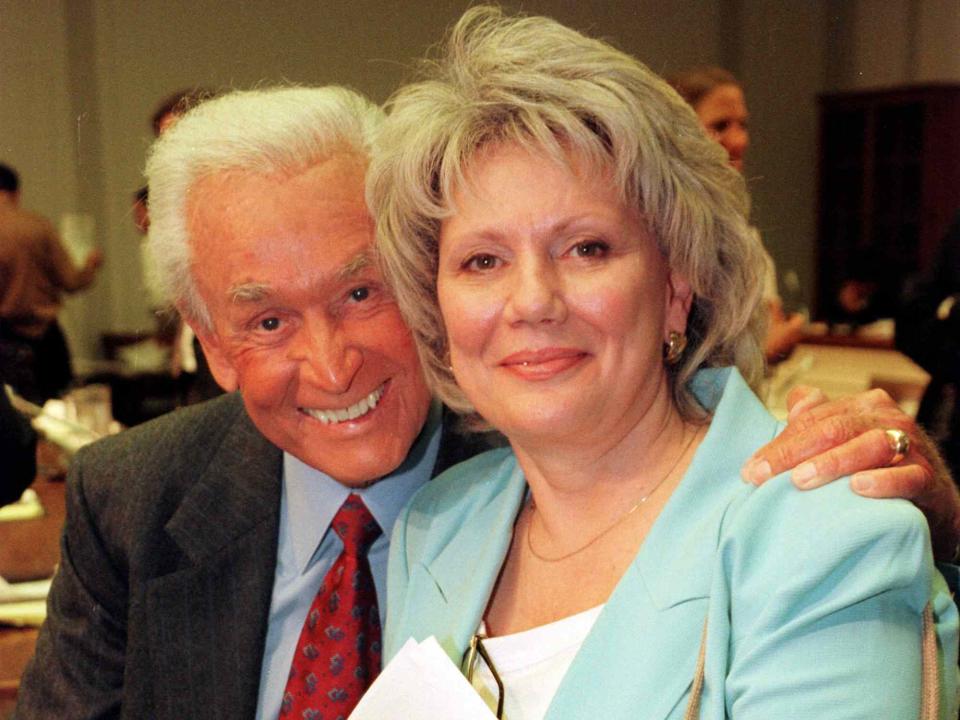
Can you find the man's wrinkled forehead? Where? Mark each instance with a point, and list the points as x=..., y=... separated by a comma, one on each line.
x=232, y=197
x=270, y=218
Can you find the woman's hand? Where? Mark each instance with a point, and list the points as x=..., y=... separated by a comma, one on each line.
x=827, y=439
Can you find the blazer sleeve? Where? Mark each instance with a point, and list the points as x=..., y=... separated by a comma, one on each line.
x=77, y=671
x=826, y=610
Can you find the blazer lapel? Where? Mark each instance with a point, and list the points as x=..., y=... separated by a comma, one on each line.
x=460, y=579
x=206, y=622
x=642, y=650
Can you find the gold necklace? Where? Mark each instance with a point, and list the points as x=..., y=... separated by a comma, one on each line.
x=615, y=523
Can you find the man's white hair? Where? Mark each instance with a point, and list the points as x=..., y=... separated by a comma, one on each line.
x=273, y=131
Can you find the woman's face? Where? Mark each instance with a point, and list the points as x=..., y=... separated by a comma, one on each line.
x=555, y=298
x=723, y=112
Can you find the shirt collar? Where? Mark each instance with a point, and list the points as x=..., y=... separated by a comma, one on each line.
x=311, y=498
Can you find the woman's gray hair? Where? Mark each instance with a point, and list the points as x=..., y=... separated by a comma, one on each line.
x=283, y=130
x=532, y=81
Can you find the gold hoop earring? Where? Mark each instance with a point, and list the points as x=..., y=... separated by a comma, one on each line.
x=674, y=347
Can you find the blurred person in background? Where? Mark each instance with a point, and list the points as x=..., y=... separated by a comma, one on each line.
x=35, y=272
x=717, y=98
x=165, y=115
x=188, y=363
x=928, y=330
x=18, y=451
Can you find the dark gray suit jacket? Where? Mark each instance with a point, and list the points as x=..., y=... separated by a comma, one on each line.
x=159, y=608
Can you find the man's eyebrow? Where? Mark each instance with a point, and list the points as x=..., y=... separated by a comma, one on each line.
x=253, y=292
x=357, y=264
x=248, y=292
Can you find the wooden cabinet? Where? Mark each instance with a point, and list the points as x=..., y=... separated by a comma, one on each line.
x=889, y=185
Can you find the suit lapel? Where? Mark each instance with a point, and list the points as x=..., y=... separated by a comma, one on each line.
x=456, y=446
x=207, y=621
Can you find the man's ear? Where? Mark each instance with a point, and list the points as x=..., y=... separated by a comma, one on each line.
x=679, y=301
x=220, y=362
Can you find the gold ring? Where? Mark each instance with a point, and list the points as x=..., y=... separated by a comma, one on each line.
x=899, y=443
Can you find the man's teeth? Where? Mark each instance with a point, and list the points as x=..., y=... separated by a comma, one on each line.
x=328, y=417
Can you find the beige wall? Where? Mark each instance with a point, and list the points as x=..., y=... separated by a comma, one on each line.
x=79, y=80
x=781, y=53
x=900, y=42
x=41, y=130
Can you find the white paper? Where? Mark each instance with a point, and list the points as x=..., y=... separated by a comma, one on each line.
x=76, y=233
x=421, y=683
x=23, y=591
x=55, y=425
x=29, y=613
x=23, y=604
x=27, y=507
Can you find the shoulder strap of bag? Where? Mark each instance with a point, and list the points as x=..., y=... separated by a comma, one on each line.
x=930, y=683
x=693, y=707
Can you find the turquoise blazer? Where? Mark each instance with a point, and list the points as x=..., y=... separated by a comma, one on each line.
x=814, y=599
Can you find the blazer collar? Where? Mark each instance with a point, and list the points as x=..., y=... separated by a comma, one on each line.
x=685, y=533
x=676, y=558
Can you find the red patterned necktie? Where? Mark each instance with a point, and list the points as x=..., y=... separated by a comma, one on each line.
x=338, y=653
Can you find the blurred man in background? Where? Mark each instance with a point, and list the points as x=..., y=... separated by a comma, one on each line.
x=35, y=271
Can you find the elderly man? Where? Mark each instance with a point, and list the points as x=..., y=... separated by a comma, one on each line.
x=195, y=545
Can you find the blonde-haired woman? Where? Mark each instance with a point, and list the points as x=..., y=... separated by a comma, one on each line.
x=574, y=257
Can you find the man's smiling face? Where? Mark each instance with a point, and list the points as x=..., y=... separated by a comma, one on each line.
x=303, y=324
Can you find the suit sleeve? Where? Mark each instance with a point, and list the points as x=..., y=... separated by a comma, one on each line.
x=78, y=669
x=826, y=611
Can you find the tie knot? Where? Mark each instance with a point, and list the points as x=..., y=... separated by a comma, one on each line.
x=355, y=525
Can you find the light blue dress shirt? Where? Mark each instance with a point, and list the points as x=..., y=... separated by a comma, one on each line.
x=306, y=549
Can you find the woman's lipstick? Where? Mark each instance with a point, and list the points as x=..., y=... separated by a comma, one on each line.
x=542, y=364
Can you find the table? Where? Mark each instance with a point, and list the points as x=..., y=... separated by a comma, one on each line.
x=842, y=368
x=29, y=550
